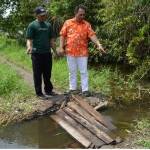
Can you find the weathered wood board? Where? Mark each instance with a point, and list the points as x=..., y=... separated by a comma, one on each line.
x=77, y=135
x=84, y=123
x=93, y=112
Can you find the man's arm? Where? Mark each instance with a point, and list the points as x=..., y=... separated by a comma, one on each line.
x=29, y=46
x=62, y=45
x=95, y=40
x=53, y=43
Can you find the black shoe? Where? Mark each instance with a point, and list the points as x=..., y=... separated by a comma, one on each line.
x=51, y=93
x=73, y=92
x=42, y=97
x=86, y=94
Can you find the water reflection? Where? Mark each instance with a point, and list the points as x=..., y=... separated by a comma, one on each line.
x=40, y=133
x=22, y=135
x=45, y=133
x=125, y=118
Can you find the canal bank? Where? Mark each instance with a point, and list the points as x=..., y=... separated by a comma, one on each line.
x=43, y=132
x=48, y=143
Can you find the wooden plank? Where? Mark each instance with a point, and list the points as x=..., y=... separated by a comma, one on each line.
x=93, y=112
x=101, y=105
x=97, y=143
x=86, y=115
x=72, y=131
x=100, y=134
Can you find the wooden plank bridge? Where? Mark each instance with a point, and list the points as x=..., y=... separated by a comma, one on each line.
x=84, y=123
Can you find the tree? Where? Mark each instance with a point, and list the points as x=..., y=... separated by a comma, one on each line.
x=21, y=14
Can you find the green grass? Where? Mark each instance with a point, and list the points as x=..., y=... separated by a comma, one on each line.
x=104, y=79
x=143, y=124
x=144, y=143
x=12, y=51
x=143, y=131
x=14, y=93
x=60, y=74
x=98, y=80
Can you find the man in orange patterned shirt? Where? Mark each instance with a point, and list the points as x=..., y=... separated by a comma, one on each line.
x=74, y=37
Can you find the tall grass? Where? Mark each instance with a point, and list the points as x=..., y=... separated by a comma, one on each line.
x=143, y=131
x=60, y=74
x=105, y=79
x=14, y=52
x=13, y=91
x=99, y=80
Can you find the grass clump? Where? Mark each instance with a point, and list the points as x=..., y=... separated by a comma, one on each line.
x=14, y=52
x=143, y=133
x=60, y=74
x=108, y=81
x=144, y=143
x=99, y=80
x=14, y=93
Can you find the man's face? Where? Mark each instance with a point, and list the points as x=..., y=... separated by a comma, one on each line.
x=42, y=17
x=80, y=15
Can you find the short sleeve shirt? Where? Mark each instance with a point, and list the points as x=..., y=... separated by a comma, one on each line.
x=77, y=35
x=40, y=33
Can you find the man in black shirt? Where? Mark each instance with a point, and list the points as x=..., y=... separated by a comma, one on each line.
x=40, y=40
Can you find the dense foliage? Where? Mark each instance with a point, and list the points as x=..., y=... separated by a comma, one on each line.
x=122, y=26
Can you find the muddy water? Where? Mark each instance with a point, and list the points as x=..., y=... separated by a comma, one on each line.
x=45, y=133
x=125, y=118
x=40, y=133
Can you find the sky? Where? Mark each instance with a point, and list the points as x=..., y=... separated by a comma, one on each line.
x=7, y=12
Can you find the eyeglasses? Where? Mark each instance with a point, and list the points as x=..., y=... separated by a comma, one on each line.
x=82, y=15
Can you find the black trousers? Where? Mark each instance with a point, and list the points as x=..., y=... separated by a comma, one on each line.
x=42, y=66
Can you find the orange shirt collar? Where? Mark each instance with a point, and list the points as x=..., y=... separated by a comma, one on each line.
x=74, y=20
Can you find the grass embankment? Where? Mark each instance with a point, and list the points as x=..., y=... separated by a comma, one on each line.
x=140, y=137
x=16, y=97
x=104, y=79
x=143, y=133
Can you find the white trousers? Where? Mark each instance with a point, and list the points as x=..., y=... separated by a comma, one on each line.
x=75, y=64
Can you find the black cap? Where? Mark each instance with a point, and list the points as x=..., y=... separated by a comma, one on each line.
x=40, y=11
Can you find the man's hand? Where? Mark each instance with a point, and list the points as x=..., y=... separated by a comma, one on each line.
x=99, y=47
x=53, y=43
x=61, y=51
x=97, y=43
x=29, y=46
x=29, y=50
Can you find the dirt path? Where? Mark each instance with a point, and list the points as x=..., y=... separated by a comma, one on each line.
x=26, y=75
x=97, y=99
x=40, y=107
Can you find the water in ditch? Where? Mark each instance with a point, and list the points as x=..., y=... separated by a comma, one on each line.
x=45, y=133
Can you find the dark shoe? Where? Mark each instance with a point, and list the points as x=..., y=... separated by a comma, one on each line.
x=42, y=97
x=86, y=94
x=73, y=92
x=51, y=93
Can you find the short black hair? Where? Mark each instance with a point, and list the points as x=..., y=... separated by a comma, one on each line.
x=80, y=6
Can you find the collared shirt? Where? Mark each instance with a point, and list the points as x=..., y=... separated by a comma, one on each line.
x=40, y=33
x=77, y=35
